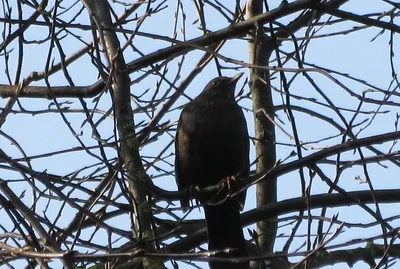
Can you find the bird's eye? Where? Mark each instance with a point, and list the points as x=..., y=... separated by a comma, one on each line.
x=217, y=82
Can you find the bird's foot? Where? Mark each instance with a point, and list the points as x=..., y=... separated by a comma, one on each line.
x=227, y=181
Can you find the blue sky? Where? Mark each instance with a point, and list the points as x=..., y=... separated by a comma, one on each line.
x=354, y=54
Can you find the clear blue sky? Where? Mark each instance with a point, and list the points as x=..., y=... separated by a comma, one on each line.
x=354, y=54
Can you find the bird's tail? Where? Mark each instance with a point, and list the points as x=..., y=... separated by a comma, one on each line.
x=225, y=232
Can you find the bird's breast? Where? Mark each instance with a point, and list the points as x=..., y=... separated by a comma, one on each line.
x=216, y=137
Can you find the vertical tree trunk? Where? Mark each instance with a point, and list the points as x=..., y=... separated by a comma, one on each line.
x=125, y=127
x=259, y=53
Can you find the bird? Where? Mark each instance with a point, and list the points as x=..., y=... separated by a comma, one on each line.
x=212, y=147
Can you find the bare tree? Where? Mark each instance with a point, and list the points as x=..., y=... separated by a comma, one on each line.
x=87, y=176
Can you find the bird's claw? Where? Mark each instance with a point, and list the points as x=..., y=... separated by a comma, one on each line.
x=227, y=180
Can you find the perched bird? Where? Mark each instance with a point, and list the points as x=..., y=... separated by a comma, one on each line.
x=212, y=146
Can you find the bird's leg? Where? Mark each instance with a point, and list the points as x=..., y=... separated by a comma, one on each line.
x=194, y=189
x=231, y=191
x=223, y=192
x=227, y=180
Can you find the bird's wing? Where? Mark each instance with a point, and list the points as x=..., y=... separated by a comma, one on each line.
x=178, y=175
x=245, y=155
x=247, y=143
x=181, y=179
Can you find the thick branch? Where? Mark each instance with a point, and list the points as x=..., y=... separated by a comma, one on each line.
x=125, y=125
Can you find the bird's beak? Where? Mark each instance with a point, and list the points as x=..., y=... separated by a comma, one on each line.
x=235, y=79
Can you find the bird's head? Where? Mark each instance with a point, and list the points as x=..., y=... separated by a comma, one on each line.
x=222, y=85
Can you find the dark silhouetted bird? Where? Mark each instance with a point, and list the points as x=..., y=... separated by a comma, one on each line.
x=212, y=145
